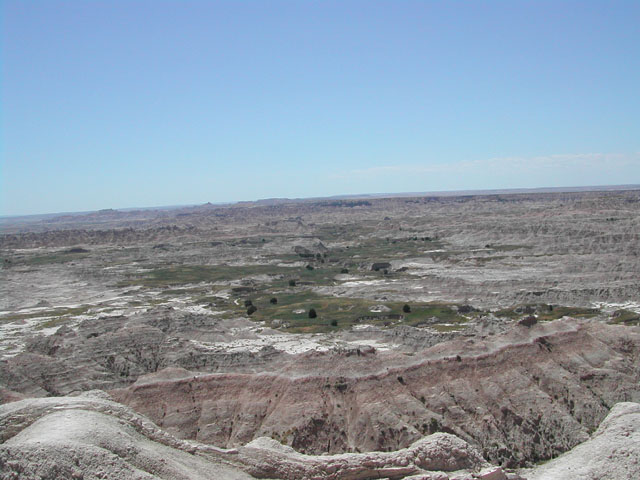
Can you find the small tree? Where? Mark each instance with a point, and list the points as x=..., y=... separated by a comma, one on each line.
x=406, y=308
x=292, y=283
x=273, y=301
x=334, y=323
x=344, y=270
x=252, y=309
x=312, y=313
x=434, y=425
x=248, y=303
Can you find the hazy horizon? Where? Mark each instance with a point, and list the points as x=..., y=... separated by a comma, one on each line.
x=127, y=104
x=372, y=195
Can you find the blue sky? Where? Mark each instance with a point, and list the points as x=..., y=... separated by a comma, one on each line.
x=113, y=104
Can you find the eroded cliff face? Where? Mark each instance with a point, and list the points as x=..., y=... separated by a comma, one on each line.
x=89, y=437
x=521, y=397
x=612, y=452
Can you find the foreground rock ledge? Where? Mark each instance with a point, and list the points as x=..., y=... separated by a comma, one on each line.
x=613, y=452
x=89, y=437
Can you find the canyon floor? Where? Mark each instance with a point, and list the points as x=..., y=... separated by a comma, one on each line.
x=443, y=337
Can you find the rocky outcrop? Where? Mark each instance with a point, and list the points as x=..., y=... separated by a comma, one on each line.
x=612, y=452
x=88, y=437
x=91, y=438
x=114, y=351
x=521, y=397
x=440, y=452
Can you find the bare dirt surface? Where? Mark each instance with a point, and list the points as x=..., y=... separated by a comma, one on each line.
x=507, y=322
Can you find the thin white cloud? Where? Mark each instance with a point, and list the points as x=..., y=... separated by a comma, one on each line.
x=578, y=163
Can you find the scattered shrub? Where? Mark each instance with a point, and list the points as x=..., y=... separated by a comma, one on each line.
x=376, y=267
x=77, y=250
x=273, y=301
x=466, y=309
x=406, y=308
x=334, y=323
x=434, y=426
x=312, y=313
x=252, y=309
x=528, y=321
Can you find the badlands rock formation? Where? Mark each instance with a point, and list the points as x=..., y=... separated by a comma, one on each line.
x=612, y=453
x=521, y=334
x=88, y=437
x=526, y=395
x=564, y=248
x=521, y=396
x=91, y=438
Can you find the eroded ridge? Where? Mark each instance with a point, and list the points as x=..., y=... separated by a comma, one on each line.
x=523, y=396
